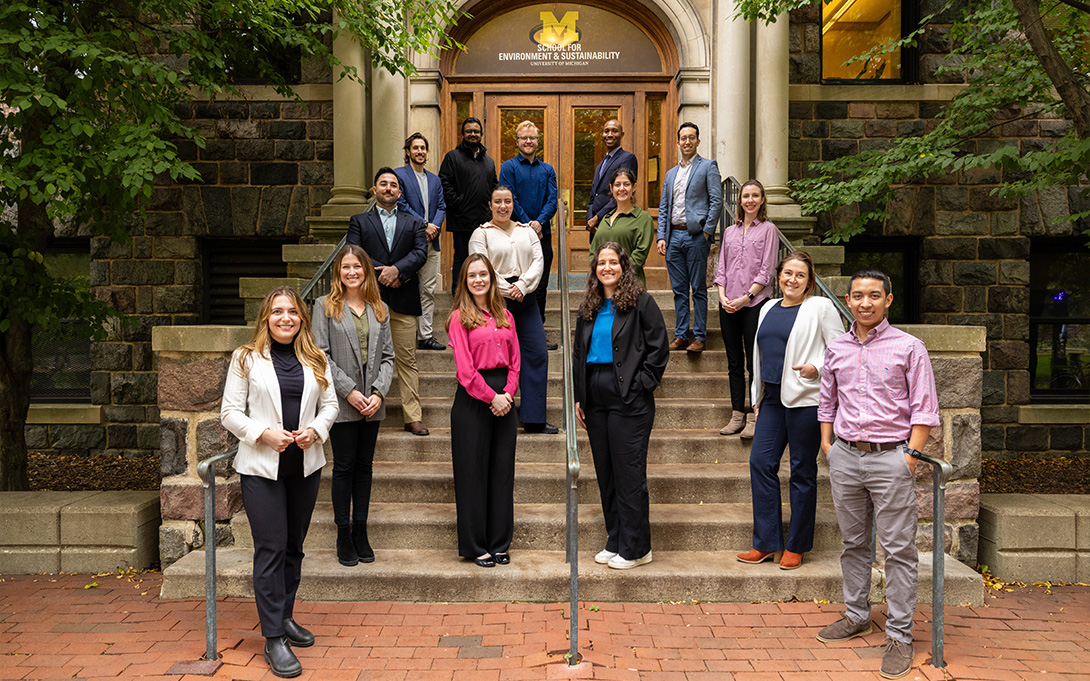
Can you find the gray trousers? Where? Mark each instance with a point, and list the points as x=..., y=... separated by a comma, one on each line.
x=876, y=487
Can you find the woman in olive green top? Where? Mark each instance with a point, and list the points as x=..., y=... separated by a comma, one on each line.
x=627, y=224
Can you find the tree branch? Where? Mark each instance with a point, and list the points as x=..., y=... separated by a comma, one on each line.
x=1081, y=6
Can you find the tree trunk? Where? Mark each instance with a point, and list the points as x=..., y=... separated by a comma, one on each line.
x=1065, y=80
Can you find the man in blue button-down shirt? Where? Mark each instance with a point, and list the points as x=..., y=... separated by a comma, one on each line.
x=533, y=183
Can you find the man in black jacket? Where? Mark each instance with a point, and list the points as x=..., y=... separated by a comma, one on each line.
x=468, y=175
x=398, y=247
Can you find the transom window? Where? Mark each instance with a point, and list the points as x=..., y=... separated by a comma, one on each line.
x=852, y=28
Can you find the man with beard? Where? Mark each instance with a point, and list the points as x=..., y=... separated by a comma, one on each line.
x=468, y=175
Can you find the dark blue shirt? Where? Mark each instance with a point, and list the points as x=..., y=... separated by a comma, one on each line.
x=601, y=338
x=534, y=185
x=772, y=340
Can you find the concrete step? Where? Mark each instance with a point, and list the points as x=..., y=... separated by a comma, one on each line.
x=667, y=446
x=544, y=576
x=436, y=361
x=683, y=413
x=540, y=527
x=677, y=385
x=693, y=483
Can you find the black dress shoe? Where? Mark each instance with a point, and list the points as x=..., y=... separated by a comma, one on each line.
x=551, y=346
x=359, y=540
x=547, y=428
x=485, y=562
x=430, y=344
x=501, y=558
x=281, y=660
x=298, y=637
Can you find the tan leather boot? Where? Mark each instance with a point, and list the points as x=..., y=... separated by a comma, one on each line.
x=736, y=423
x=751, y=425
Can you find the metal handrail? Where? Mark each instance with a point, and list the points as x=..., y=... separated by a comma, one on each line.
x=206, y=471
x=572, y=481
x=319, y=284
x=943, y=471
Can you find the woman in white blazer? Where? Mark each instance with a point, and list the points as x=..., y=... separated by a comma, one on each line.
x=279, y=402
x=788, y=354
x=352, y=326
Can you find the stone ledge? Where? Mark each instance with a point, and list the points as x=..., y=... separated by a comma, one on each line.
x=948, y=338
x=259, y=287
x=1033, y=537
x=49, y=414
x=1075, y=414
x=208, y=338
x=309, y=253
x=930, y=92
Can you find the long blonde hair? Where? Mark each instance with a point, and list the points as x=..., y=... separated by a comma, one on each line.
x=306, y=349
x=334, y=302
x=466, y=307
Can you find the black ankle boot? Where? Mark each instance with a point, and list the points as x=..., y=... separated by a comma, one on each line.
x=346, y=551
x=280, y=658
x=298, y=636
x=359, y=540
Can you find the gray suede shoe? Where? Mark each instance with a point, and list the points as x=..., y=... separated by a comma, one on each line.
x=843, y=629
x=897, y=660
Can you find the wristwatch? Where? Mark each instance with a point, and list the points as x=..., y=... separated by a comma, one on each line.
x=749, y=295
x=915, y=453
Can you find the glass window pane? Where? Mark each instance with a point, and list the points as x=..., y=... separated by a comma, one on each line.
x=463, y=107
x=854, y=27
x=509, y=121
x=1062, y=359
x=655, y=168
x=589, y=152
x=62, y=360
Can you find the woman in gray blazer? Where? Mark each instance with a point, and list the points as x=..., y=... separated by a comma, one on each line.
x=352, y=326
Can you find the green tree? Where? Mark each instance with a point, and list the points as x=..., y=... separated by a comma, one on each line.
x=1022, y=59
x=88, y=90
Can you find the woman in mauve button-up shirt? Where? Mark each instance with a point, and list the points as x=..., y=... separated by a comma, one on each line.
x=483, y=426
x=747, y=263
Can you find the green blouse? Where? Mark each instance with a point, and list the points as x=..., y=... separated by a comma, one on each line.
x=633, y=230
x=363, y=327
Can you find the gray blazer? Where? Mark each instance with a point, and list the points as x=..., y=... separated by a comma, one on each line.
x=342, y=347
x=703, y=199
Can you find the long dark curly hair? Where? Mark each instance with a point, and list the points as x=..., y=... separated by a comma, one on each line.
x=628, y=290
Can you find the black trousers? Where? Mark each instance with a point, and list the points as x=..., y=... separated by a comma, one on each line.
x=461, y=252
x=542, y=288
x=279, y=512
x=483, y=453
x=619, y=434
x=739, y=331
x=353, y=457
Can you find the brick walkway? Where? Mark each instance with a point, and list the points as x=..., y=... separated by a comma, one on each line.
x=52, y=627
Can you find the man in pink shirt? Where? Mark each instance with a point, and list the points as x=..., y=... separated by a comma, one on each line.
x=878, y=397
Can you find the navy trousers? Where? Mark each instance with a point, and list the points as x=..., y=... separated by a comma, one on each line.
x=534, y=356
x=619, y=434
x=279, y=512
x=777, y=427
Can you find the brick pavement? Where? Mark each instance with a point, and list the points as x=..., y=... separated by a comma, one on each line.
x=52, y=627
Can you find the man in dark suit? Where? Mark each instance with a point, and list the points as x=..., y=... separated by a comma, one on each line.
x=601, y=201
x=468, y=175
x=396, y=242
x=422, y=195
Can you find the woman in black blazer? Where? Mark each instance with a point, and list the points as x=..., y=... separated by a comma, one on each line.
x=620, y=353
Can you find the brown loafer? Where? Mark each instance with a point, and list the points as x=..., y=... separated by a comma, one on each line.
x=678, y=344
x=790, y=560
x=754, y=556
x=696, y=346
x=416, y=428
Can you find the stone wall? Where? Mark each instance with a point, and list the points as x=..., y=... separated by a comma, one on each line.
x=974, y=246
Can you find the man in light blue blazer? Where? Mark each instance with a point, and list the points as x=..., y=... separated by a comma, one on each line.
x=692, y=198
x=422, y=195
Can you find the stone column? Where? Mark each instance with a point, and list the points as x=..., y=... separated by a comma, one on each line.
x=771, y=93
x=388, y=119
x=350, y=160
x=732, y=95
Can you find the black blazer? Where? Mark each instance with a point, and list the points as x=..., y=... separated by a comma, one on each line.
x=640, y=350
x=409, y=253
x=601, y=201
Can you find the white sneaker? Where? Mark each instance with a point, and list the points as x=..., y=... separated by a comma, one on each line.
x=618, y=563
x=604, y=556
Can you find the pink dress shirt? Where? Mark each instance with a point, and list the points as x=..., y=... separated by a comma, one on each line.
x=485, y=347
x=877, y=390
x=748, y=257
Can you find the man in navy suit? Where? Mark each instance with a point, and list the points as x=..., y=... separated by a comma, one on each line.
x=601, y=200
x=396, y=242
x=692, y=198
x=422, y=196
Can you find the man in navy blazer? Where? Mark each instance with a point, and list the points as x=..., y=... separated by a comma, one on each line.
x=692, y=198
x=601, y=200
x=396, y=243
x=422, y=195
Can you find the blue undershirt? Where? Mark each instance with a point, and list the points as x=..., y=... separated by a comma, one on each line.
x=601, y=338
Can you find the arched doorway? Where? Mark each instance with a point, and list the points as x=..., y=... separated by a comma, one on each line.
x=569, y=68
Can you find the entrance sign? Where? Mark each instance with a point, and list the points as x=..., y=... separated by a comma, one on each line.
x=558, y=39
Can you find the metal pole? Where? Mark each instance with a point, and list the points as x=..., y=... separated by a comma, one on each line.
x=942, y=471
x=209, y=477
x=570, y=424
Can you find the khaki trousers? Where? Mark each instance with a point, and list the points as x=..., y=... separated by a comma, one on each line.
x=403, y=332
x=428, y=275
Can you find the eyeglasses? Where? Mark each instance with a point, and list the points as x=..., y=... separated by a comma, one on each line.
x=528, y=139
x=687, y=138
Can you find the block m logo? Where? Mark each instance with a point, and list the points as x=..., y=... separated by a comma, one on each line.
x=554, y=32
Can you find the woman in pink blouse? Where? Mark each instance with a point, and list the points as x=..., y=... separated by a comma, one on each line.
x=483, y=426
x=747, y=263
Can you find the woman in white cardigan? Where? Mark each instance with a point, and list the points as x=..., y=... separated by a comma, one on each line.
x=792, y=334
x=279, y=402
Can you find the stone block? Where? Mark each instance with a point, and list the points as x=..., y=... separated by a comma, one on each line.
x=1004, y=224
x=94, y=559
x=952, y=199
x=175, y=299
x=320, y=130
x=218, y=150
x=943, y=298
x=976, y=299
x=37, y=437
x=994, y=388
x=192, y=383
x=234, y=173
x=121, y=437
x=143, y=359
x=173, y=436
x=1066, y=438
x=111, y=356
x=126, y=520
x=319, y=172
x=245, y=204
x=911, y=128
x=962, y=499
x=968, y=543
x=1008, y=354
x=213, y=439
x=959, y=379
x=925, y=537
x=974, y=273
x=1009, y=299
x=1027, y=438
x=77, y=437
x=182, y=498
x=145, y=298
x=800, y=110
x=275, y=202
x=265, y=110
x=965, y=444
x=895, y=109
x=255, y=150
x=287, y=130
x=1014, y=273
x=295, y=150
x=958, y=223
x=1079, y=504
x=133, y=388
x=33, y=519
x=1027, y=521
x=105, y=248
x=1017, y=387
x=141, y=273
x=1014, y=248
x=849, y=129
x=950, y=248
x=29, y=560
x=816, y=129
x=176, y=539
x=274, y=173
x=880, y=128
x=834, y=149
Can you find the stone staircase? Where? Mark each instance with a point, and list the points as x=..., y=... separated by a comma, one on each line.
x=700, y=511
